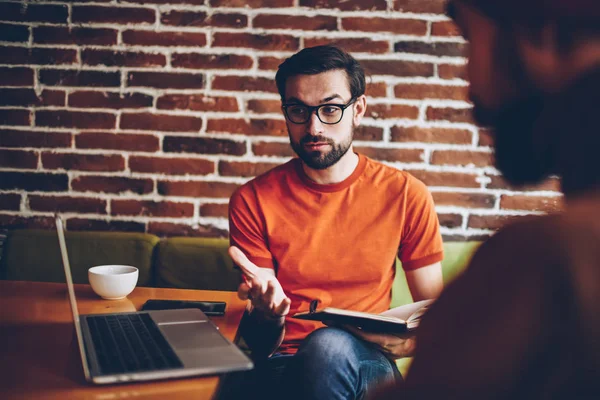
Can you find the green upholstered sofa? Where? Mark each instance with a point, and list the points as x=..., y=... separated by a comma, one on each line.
x=180, y=262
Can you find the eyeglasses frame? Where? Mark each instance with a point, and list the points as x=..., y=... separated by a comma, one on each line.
x=316, y=108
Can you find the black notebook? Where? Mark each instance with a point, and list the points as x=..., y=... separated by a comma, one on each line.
x=396, y=320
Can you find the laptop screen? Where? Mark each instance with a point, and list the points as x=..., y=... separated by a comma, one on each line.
x=60, y=229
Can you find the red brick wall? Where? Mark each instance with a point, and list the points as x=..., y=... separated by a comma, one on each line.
x=145, y=115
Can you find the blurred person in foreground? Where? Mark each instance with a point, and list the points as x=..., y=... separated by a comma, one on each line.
x=524, y=319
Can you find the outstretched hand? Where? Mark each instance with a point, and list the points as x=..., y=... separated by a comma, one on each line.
x=260, y=286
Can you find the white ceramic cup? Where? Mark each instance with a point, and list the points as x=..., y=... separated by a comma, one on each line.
x=113, y=282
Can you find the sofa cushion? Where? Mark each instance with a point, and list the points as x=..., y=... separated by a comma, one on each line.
x=34, y=255
x=195, y=263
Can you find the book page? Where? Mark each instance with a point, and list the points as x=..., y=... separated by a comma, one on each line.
x=410, y=311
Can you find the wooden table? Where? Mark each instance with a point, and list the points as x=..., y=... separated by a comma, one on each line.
x=39, y=358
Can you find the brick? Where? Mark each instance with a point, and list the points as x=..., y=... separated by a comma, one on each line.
x=12, y=202
x=83, y=162
x=450, y=220
x=202, y=19
x=394, y=25
x=18, y=159
x=160, y=122
x=79, y=36
x=210, y=61
x=244, y=169
x=115, y=141
x=33, y=12
x=151, y=208
x=378, y=89
x=420, y=6
x=116, y=100
x=450, y=114
x=112, y=184
x=19, y=222
x=368, y=133
x=186, y=144
x=272, y=149
x=465, y=238
x=165, y=80
x=171, y=229
x=78, y=224
x=14, y=138
x=153, y=38
x=282, y=21
x=270, y=127
x=28, y=98
x=171, y=166
x=196, y=189
x=422, y=92
x=532, y=203
x=387, y=111
x=15, y=117
x=113, y=15
x=197, y=102
x=551, y=184
x=440, y=49
x=391, y=155
x=122, y=58
x=491, y=222
x=430, y=135
x=13, y=33
x=80, y=205
x=252, y=3
x=397, y=68
x=38, y=56
x=446, y=179
x=466, y=200
x=206, y=210
x=244, y=84
x=270, y=63
x=445, y=28
x=16, y=76
x=259, y=42
x=32, y=181
x=462, y=157
x=75, y=119
x=358, y=45
x=452, y=71
x=486, y=137
x=264, y=106
x=59, y=77
x=346, y=5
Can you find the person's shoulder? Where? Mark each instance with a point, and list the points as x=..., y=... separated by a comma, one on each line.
x=395, y=180
x=266, y=180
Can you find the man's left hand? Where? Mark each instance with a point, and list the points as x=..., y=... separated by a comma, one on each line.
x=393, y=346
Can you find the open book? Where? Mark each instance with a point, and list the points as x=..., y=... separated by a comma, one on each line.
x=396, y=320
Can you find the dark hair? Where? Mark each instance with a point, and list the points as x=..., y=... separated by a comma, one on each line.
x=315, y=60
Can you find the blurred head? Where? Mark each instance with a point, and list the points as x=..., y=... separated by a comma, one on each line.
x=520, y=55
x=322, y=94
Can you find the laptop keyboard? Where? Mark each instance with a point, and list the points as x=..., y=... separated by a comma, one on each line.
x=130, y=343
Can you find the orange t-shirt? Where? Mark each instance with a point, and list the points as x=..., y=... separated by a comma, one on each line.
x=336, y=243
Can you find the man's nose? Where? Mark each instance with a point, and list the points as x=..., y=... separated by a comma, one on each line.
x=314, y=126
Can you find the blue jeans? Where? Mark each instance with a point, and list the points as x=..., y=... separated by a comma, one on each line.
x=330, y=364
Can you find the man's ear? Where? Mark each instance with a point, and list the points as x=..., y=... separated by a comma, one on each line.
x=540, y=50
x=360, y=108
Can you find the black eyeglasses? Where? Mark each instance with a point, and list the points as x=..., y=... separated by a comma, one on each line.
x=329, y=114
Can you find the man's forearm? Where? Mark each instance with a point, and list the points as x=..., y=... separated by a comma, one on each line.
x=262, y=334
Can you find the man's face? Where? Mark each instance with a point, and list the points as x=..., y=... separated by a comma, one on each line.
x=503, y=96
x=318, y=144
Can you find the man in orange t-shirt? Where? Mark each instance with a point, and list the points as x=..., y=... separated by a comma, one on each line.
x=328, y=226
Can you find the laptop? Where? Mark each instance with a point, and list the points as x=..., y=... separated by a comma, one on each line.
x=148, y=345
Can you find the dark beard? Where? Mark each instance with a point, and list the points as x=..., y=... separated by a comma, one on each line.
x=519, y=156
x=316, y=159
